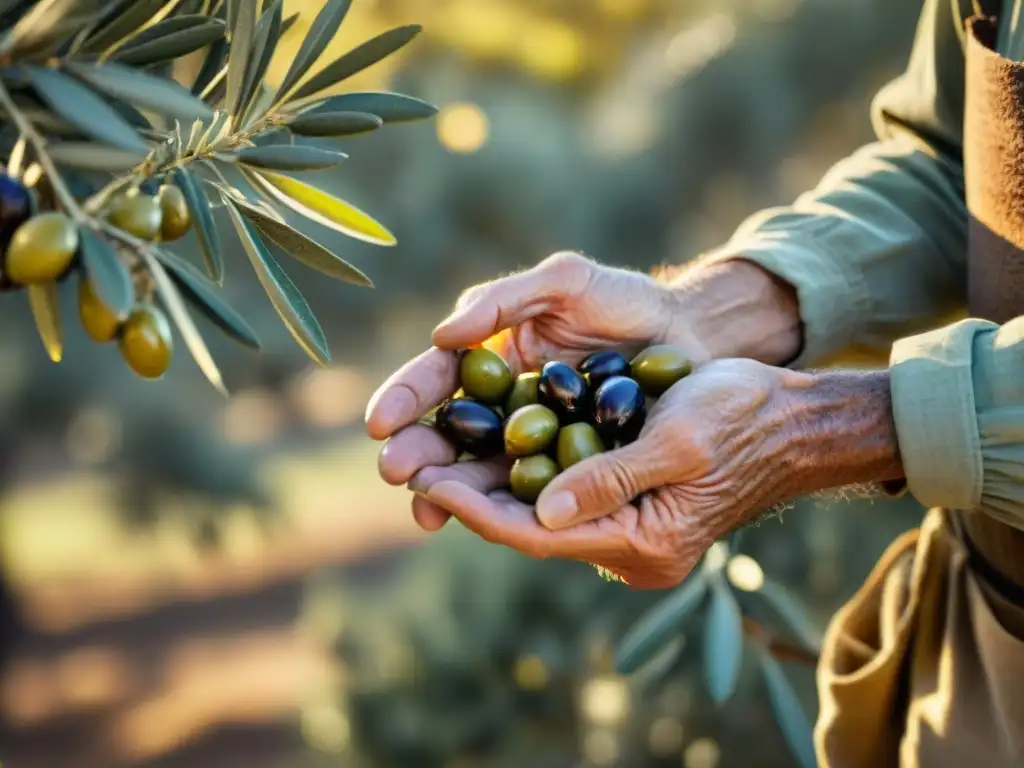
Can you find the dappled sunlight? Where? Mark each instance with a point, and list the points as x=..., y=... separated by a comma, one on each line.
x=57, y=534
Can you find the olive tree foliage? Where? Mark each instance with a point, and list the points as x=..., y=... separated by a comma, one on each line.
x=88, y=116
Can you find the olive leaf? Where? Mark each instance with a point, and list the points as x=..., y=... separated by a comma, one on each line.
x=203, y=223
x=46, y=312
x=175, y=306
x=212, y=64
x=163, y=44
x=300, y=247
x=16, y=160
x=132, y=85
x=268, y=31
x=47, y=21
x=109, y=277
x=789, y=712
x=122, y=20
x=723, y=642
x=389, y=107
x=214, y=130
x=792, y=613
x=203, y=295
x=334, y=124
x=655, y=628
x=195, y=135
x=89, y=156
x=358, y=59
x=84, y=109
x=289, y=303
x=242, y=32
x=323, y=208
x=319, y=36
x=285, y=157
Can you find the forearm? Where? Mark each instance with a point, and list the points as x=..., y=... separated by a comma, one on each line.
x=839, y=431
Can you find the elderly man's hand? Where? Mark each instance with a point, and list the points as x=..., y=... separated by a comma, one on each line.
x=563, y=309
x=718, y=448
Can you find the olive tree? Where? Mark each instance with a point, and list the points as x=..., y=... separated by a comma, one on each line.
x=110, y=160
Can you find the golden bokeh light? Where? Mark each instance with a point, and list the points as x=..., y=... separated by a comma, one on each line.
x=745, y=573
x=605, y=701
x=703, y=753
x=665, y=737
x=552, y=49
x=531, y=673
x=463, y=128
x=716, y=557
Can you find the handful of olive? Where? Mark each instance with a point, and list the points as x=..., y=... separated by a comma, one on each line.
x=553, y=418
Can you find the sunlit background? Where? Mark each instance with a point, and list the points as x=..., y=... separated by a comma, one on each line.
x=202, y=583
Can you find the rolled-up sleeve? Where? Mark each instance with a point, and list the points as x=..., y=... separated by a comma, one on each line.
x=958, y=403
x=878, y=249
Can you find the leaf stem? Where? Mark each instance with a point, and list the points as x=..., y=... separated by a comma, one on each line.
x=28, y=130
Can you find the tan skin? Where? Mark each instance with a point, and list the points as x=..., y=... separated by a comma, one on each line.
x=734, y=438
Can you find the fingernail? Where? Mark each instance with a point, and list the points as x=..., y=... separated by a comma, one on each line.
x=420, y=483
x=558, y=511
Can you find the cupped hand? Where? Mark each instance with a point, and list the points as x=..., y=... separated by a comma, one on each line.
x=713, y=454
x=562, y=309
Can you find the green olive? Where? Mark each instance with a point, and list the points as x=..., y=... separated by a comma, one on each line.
x=530, y=475
x=577, y=442
x=175, y=217
x=146, y=342
x=530, y=430
x=659, y=367
x=42, y=249
x=99, y=322
x=524, y=392
x=137, y=214
x=485, y=376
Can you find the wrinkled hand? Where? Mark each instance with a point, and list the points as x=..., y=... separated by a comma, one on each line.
x=712, y=455
x=564, y=308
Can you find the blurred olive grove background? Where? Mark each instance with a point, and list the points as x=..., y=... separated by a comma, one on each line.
x=192, y=582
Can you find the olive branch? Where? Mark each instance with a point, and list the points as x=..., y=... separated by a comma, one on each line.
x=94, y=122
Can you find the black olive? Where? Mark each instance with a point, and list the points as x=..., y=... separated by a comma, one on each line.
x=562, y=389
x=600, y=366
x=471, y=426
x=619, y=409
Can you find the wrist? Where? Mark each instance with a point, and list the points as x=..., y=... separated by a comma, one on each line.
x=734, y=309
x=840, y=430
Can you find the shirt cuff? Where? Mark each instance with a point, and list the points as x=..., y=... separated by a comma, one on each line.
x=933, y=402
x=833, y=300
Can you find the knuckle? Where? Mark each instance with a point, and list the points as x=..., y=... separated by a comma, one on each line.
x=469, y=295
x=567, y=263
x=612, y=484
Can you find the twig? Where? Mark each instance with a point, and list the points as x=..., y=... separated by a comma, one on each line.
x=777, y=647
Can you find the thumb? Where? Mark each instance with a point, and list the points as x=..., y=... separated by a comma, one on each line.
x=492, y=307
x=598, y=486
